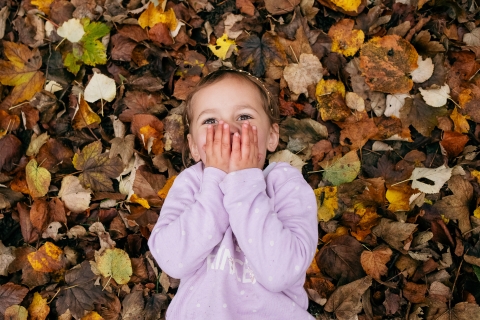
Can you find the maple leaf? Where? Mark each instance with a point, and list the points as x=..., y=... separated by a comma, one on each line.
x=80, y=294
x=420, y=115
x=11, y=294
x=373, y=262
x=346, y=300
x=259, y=53
x=21, y=71
x=89, y=49
x=97, y=167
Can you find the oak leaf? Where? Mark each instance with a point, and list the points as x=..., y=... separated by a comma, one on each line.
x=97, y=167
x=21, y=71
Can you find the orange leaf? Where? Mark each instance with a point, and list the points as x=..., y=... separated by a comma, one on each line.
x=47, y=259
x=21, y=71
x=85, y=116
x=38, y=309
x=152, y=139
x=164, y=191
x=374, y=262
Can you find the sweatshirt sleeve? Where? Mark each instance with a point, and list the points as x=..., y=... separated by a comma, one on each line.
x=191, y=223
x=278, y=234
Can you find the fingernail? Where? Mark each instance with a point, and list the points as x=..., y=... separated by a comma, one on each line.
x=225, y=125
x=245, y=124
x=254, y=128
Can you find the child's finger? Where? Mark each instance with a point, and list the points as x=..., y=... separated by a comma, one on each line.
x=208, y=147
x=245, y=140
x=226, y=140
x=236, y=147
x=217, y=140
x=255, y=143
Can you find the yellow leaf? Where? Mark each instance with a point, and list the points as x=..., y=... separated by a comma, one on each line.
x=38, y=179
x=347, y=5
x=141, y=201
x=47, y=259
x=326, y=202
x=92, y=315
x=85, y=116
x=39, y=308
x=460, y=121
x=222, y=46
x=476, y=174
x=43, y=5
x=339, y=232
x=115, y=263
x=476, y=213
x=464, y=97
x=21, y=71
x=162, y=193
x=346, y=40
x=154, y=15
x=325, y=87
x=399, y=198
x=152, y=139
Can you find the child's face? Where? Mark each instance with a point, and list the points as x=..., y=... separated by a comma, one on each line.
x=234, y=101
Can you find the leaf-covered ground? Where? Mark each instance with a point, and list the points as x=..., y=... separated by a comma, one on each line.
x=380, y=105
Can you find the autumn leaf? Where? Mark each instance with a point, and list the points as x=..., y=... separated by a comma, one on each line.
x=394, y=232
x=430, y=180
x=461, y=311
x=72, y=30
x=327, y=202
x=258, y=53
x=38, y=179
x=222, y=47
x=97, y=167
x=421, y=116
x=43, y=5
x=38, y=309
x=21, y=71
x=80, y=294
x=49, y=258
x=85, y=116
x=345, y=40
x=344, y=169
x=345, y=300
x=308, y=71
x=100, y=87
x=374, y=262
x=16, y=312
x=154, y=15
x=115, y=263
x=162, y=193
x=11, y=294
x=386, y=62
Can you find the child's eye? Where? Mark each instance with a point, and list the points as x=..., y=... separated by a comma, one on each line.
x=207, y=121
x=245, y=115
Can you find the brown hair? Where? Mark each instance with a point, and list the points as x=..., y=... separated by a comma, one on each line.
x=269, y=104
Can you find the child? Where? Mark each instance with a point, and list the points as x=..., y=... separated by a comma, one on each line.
x=239, y=239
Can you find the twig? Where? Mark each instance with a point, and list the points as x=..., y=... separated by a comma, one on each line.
x=294, y=54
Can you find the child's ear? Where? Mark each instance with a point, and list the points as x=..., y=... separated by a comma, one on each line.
x=193, y=148
x=273, y=137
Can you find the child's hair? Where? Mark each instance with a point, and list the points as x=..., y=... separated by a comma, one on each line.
x=270, y=105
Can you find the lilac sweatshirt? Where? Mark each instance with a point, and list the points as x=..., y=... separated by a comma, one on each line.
x=240, y=243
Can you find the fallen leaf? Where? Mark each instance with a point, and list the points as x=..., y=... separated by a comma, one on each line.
x=472, y=38
x=430, y=180
x=47, y=259
x=97, y=167
x=357, y=129
x=36, y=143
x=394, y=232
x=420, y=115
x=340, y=259
x=344, y=169
x=345, y=40
x=424, y=70
x=21, y=71
x=16, y=312
x=115, y=263
x=38, y=179
x=75, y=197
x=327, y=202
x=72, y=30
x=154, y=15
x=394, y=103
x=461, y=311
x=308, y=71
x=436, y=97
x=38, y=309
x=460, y=122
x=100, y=87
x=276, y=7
x=7, y=256
x=374, y=262
x=345, y=300
x=386, y=62
x=11, y=294
x=258, y=53
x=415, y=293
x=222, y=47
x=85, y=116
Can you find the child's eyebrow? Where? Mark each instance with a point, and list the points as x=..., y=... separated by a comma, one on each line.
x=237, y=107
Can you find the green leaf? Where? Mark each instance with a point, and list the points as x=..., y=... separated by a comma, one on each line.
x=72, y=63
x=477, y=271
x=344, y=169
x=94, y=53
x=38, y=179
x=115, y=263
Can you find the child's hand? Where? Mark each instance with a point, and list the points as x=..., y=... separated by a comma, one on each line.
x=246, y=155
x=217, y=149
